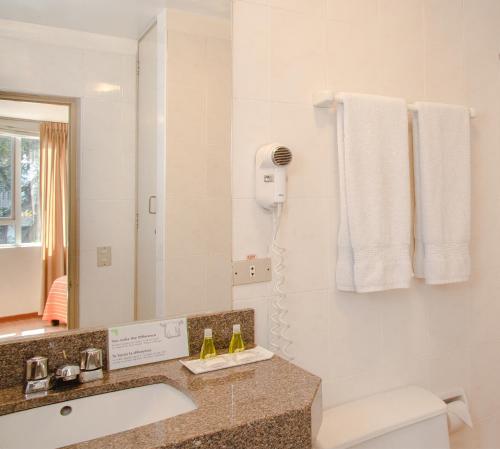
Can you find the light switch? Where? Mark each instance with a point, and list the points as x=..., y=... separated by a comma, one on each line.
x=104, y=256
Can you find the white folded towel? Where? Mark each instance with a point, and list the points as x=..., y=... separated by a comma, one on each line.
x=375, y=206
x=441, y=136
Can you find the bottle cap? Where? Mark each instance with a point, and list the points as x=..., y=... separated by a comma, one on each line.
x=236, y=328
x=208, y=333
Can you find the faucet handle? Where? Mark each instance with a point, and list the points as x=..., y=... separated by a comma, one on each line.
x=90, y=359
x=66, y=373
x=37, y=368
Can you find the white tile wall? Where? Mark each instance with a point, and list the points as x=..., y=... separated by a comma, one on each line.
x=439, y=50
x=198, y=203
x=52, y=61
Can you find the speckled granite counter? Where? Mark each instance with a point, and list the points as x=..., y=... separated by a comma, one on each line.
x=265, y=405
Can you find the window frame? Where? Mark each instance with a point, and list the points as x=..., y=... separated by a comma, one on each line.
x=16, y=212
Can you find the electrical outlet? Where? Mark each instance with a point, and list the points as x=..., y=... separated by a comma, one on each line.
x=251, y=271
x=104, y=256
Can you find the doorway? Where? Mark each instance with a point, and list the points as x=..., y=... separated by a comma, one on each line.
x=38, y=214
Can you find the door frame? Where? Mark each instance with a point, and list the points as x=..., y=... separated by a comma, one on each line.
x=73, y=181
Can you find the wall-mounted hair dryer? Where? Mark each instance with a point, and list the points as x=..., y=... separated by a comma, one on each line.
x=270, y=174
x=270, y=191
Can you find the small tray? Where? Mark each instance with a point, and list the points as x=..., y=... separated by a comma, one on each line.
x=224, y=361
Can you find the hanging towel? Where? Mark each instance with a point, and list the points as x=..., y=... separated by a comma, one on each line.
x=441, y=136
x=375, y=204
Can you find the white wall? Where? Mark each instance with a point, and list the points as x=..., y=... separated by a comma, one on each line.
x=198, y=180
x=21, y=280
x=438, y=50
x=101, y=71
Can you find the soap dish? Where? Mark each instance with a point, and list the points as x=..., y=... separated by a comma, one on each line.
x=223, y=361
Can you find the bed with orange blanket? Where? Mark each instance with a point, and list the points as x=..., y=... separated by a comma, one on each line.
x=56, y=307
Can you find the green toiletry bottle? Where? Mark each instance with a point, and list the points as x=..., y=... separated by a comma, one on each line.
x=207, y=348
x=236, y=344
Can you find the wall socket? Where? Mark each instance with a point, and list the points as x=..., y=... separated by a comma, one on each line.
x=251, y=271
x=104, y=256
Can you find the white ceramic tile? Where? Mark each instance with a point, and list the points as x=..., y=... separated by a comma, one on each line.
x=186, y=113
x=445, y=74
x=297, y=56
x=55, y=70
x=219, y=283
x=408, y=48
x=251, y=130
x=103, y=76
x=448, y=319
x=186, y=285
x=250, y=291
x=401, y=31
x=260, y=305
x=250, y=50
x=405, y=326
x=354, y=67
x=106, y=293
x=186, y=168
x=315, y=8
x=306, y=236
x=218, y=224
x=309, y=330
x=305, y=224
x=360, y=11
x=450, y=371
x=107, y=223
x=252, y=229
x=355, y=334
x=340, y=390
x=107, y=126
x=300, y=129
x=107, y=175
x=185, y=224
x=218, y=110
x=218, y=171
x=187, y=62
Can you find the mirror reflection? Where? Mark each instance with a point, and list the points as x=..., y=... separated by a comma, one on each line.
x=115, y=188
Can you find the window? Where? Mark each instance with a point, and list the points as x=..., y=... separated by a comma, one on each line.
x=19, y=189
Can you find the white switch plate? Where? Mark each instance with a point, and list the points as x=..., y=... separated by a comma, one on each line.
x=104, y=256
x=251, y=271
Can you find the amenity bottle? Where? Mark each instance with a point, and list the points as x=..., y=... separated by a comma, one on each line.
x=208, y=348
x=237, y=344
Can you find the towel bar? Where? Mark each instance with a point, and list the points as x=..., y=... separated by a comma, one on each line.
x=327, y=99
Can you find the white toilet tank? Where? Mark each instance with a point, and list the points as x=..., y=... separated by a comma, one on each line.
x=407, y=418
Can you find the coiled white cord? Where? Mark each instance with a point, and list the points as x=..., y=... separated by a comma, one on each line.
x=280, y=342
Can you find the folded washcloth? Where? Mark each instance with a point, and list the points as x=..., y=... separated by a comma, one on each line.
x=441, y=135
x=375, y=203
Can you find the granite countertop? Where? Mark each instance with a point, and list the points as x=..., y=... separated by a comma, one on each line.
x=257, y=406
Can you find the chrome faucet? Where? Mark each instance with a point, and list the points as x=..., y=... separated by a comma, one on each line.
x=66, y=373
x=38, y=379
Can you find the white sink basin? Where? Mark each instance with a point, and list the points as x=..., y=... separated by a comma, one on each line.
x=92, y=417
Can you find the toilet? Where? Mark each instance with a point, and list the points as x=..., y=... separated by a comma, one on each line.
x=406, y=418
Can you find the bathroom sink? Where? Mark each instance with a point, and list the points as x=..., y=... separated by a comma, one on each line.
x=91, y=417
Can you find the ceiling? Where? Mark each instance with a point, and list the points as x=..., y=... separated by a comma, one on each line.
x=121, y=18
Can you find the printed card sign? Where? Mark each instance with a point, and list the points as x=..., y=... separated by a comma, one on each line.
x=149, y=342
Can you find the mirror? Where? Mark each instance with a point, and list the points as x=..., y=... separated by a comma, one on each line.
x=115, y=176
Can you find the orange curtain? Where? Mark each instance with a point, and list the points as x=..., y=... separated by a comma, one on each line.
x=53, y=202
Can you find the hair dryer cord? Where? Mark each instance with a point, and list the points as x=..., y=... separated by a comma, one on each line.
x=280, y=342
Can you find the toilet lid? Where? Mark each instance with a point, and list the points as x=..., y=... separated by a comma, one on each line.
x=354, y=422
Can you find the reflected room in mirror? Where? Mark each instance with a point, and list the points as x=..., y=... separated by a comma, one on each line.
x=115, y=183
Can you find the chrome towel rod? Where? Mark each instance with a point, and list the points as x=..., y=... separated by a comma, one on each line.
x=327, y=99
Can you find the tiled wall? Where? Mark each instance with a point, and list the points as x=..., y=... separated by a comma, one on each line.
x=198, y=201
x=101, y=71
x=439, y=337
